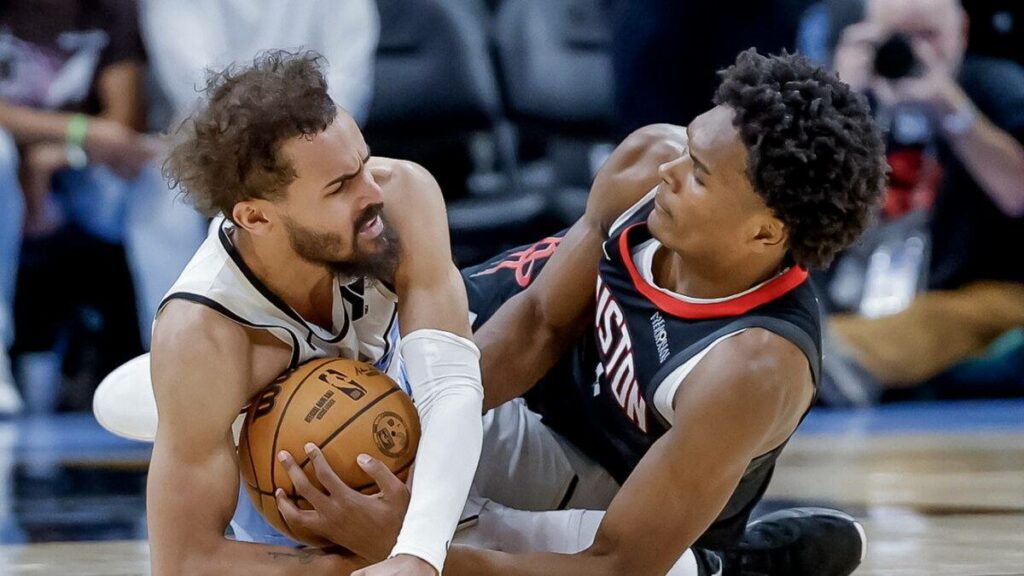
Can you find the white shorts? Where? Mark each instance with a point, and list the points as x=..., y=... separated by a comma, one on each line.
x=527, y=466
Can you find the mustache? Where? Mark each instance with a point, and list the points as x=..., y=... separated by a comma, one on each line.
x=368, y=215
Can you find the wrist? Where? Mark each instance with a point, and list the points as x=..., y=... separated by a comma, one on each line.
x=75, y=130
x=950, y=99
x=435, y=571
x=959, y=120
x=74, y=138
x=435, y=559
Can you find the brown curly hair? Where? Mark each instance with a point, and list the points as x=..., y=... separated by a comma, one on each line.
x=815, y=153
x=228, y=150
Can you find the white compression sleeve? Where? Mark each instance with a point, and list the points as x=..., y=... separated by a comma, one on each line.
x=559, y=531
x=444, y=374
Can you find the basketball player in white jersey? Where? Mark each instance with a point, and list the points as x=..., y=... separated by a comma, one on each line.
x=320, y=248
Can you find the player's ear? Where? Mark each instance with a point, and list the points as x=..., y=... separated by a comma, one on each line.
x=771, y=233
x=252, y=216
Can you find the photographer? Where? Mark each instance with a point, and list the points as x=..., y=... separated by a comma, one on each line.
x=966, y=116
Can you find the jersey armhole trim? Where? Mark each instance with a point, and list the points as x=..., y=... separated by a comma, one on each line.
x=665, y=393
x=224, y=311
x=630, y=212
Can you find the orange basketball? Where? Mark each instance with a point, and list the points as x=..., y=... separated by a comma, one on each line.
x=345, y=407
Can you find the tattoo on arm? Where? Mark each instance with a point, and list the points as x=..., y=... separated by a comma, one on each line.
x=303, y=556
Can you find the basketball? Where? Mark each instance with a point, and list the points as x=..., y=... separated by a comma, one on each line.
x=345, y=407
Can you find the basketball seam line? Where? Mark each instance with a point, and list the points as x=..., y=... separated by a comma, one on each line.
x=351, y=419
x=280, y=421
x=248, y=449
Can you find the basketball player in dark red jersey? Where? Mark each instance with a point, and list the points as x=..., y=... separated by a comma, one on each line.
x=704, y=350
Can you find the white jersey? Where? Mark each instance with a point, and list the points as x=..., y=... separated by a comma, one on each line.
x=365, y=312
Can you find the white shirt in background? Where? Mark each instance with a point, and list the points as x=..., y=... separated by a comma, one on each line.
x=185, y=37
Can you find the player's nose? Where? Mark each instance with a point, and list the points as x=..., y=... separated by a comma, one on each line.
x=370, y=191
x=669, y=171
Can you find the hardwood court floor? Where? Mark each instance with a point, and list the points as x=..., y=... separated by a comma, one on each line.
x=940, y=489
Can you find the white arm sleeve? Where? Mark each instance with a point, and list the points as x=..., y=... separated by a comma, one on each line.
x=444, y=373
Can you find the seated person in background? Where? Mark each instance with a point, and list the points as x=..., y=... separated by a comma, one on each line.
x=185, y=37
x=72, y=115
x=968, y=112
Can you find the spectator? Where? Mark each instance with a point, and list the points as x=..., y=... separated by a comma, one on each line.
x=973, y=119
x=72, y=115
x=185, y=37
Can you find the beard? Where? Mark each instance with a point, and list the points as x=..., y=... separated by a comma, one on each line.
x=322, y=248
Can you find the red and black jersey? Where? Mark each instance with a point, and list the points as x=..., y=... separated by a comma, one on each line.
x=602, y=395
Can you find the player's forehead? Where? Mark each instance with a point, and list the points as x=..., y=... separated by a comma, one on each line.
x=716, y=142
x=339, y=149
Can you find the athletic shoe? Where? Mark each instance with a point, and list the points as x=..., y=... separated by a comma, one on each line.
x=798, y=542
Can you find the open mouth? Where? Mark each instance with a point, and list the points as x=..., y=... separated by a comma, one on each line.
x=372, y=228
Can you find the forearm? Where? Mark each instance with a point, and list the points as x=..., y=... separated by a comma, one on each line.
x=30, y=126
x=466, y=561
x=121, y=91
x=231, y=558
x=444, y=375
x=516, y=350
x=996, y=161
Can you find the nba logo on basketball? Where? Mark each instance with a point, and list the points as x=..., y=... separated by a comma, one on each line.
x=616, y=350
x=343, y=384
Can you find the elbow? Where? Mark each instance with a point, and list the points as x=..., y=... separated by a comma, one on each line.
x=1010, y=202
x=1015, y=207
x=606, y=560
x=195, y=559
x=610, y=557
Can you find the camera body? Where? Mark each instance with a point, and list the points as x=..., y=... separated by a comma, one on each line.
x=895, y=58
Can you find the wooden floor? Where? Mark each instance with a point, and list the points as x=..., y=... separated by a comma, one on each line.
x=934, y=502
x=932, y=505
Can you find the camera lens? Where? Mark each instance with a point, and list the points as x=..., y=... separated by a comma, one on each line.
x=895, y=58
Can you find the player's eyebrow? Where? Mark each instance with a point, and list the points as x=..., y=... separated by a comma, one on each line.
x=346, y=177
x=696, y=163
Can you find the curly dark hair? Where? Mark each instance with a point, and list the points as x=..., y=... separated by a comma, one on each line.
x=227, y=151
x=815, y=153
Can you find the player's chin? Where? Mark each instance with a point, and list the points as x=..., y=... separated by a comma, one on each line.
x=658, y=223
x=371, y=246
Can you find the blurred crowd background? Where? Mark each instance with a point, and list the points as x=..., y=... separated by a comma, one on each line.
x=512, y=105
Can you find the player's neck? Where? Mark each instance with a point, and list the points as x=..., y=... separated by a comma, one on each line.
x=306, y=287
x=697, y=278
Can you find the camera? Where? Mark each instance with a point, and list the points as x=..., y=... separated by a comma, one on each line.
x=895, y=58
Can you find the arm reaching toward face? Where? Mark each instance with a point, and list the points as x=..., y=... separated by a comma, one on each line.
x=442, y=362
